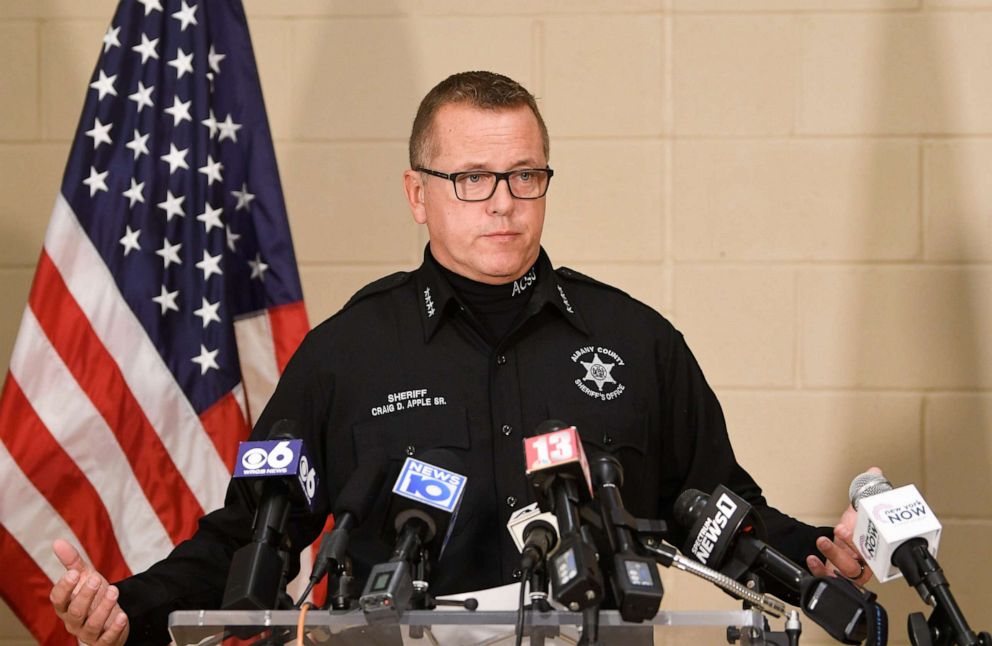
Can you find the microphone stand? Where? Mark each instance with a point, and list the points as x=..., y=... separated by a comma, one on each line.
x=793, y=626
x=539, y=590
x=590, y=627
x=947, y=624
x=750, y=594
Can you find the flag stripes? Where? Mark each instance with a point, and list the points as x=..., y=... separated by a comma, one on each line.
x=57, y=477
x=95, y=372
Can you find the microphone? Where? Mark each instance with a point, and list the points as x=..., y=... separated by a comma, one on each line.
x=722, y=532
x=633, y=578
x=557, y=469
x=351, y=509
x=889, y=518
x=898, y=534
x=535, y=534
x=281, y=468
x=722, y=536
x=420, y=518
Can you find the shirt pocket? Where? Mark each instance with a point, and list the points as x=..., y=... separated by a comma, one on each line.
x=393, y=438
x=411, y=433
x=621, y=432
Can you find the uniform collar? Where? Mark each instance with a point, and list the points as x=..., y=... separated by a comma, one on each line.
x=436, y=298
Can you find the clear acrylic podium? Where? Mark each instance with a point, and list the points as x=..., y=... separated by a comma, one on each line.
x=466, y=628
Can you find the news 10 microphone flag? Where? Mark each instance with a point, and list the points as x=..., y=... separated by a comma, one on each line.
x=165, y=304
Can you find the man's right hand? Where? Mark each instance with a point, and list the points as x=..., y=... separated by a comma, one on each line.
x=85, y=602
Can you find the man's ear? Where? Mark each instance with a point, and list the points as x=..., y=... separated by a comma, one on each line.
x=413, y=186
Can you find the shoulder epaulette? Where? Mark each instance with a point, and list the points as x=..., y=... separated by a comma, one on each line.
x=383, y=284
x=571, y=274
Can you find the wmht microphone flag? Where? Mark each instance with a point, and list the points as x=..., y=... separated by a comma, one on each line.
x=165, y=304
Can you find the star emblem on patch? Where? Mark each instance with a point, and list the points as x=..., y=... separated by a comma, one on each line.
x=598, y=371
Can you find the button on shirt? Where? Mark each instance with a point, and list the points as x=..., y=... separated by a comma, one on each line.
x=404, y=368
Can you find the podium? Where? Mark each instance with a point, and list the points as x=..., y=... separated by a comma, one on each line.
x=463, y=627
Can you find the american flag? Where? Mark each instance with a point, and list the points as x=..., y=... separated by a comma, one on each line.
x=165, y=305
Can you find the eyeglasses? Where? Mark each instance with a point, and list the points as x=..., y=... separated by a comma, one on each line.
x=480, y=185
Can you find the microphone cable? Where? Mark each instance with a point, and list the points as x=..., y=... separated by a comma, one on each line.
x=524, y=577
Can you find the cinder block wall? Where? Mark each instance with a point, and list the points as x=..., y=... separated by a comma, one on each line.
x=801, y=185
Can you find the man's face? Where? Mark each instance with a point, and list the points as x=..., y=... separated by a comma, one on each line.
x=495, y=241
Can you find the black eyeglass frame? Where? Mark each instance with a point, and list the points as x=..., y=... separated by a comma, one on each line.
x=453, y=177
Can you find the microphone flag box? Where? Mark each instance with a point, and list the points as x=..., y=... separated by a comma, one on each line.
x=278, y=459
x=558, y=452
x=889, y=519
x=430, y=485
x=521, y=518
x=717, y=526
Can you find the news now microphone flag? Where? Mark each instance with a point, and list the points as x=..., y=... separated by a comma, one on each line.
x=165, y=304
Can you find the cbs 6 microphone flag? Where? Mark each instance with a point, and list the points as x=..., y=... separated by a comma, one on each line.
x=165, y=304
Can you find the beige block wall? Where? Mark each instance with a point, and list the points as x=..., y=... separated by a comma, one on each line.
x=801, y=185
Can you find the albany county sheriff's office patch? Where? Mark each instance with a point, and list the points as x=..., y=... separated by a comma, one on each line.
x=598, y=367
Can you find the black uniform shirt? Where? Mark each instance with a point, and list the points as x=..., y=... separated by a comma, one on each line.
x=403, y=368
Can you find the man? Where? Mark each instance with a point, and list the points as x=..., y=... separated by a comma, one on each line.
x=470, y=352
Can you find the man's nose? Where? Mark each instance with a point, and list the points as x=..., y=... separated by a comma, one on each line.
x=501, y=201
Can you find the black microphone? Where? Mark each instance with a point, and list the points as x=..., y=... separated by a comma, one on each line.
x=633, y=578
x=557, y=469
x=722, y=532
x=722, y=536
x=419, y=520
x=535, y=533
x=351, y=509
x=282, y=470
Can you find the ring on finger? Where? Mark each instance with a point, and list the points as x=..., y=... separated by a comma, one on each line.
x=860, y=573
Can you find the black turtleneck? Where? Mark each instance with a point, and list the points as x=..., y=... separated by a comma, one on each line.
x=495, y=307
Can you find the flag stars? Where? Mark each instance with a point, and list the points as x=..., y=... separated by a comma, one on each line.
x=151, y=5
x=244, y=197
x=212, y=170
x=143, y=96
x=176, y=158
x=214, y=58
x=139, y=144
x=179, y=111
x=133, y=194
x=232, y=237
x=167, y=300
x=111, y=39
x=208, y=312
x=104, y=85
x=211, y=123
x=147, y=48
x=258, y=268
x=207, y=360
x=169, y=253
x=183, y=62
x=228, y=129
x=96, y=181
x=130, y=240
x=210, y=265
x=186, y=16
x=173, y=205
x=100, y=133
x=210, y=217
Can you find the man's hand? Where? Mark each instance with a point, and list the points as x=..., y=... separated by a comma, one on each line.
x=85, y=602
x=841, y=555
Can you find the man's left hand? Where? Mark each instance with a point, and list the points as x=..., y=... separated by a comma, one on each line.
x=841, y=557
